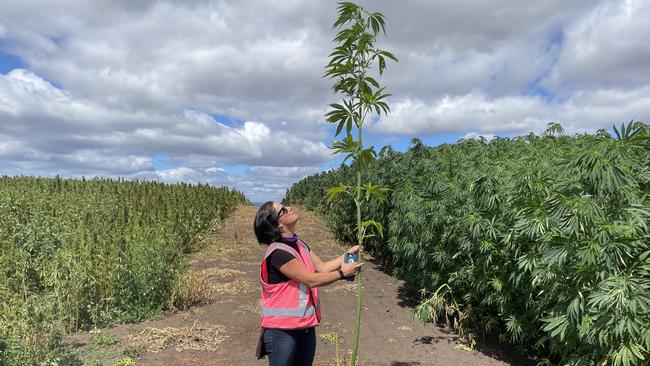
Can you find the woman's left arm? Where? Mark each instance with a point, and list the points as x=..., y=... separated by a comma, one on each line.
x=331, y=265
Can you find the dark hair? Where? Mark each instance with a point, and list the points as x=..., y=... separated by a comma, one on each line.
x=266, y=225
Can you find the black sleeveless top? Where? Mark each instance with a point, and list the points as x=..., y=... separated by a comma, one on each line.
x=279, y=257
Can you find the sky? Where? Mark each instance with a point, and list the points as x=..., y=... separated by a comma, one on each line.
x=230, y=92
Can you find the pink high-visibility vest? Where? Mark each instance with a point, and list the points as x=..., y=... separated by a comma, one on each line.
x=291, y=304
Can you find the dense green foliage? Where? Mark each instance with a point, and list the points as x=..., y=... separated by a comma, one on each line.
x=542, y=240
x=76, y=254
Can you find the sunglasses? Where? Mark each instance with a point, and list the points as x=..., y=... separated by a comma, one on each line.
x=282, y=211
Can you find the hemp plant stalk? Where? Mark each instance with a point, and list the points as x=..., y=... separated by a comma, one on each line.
x=351, y=64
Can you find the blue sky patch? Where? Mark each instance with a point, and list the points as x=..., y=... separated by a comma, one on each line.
x=9, y=62
x=226, y=120
x=239, y=169
x=553, y=48
x=160, y=162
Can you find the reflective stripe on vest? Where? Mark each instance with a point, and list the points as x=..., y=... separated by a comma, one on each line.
x=302, y=309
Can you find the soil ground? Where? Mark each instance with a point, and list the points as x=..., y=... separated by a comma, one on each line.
x=225, y=331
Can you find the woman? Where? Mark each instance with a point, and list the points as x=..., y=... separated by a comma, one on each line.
x=289, y=276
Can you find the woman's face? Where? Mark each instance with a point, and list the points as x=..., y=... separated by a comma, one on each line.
x=287, y=216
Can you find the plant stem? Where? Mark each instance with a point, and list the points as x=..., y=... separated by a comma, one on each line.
x=357, y=318
x=336, y=345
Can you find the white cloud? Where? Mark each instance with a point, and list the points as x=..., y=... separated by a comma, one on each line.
x=132, y=59
x=80, y=132
x=462, y=113
x=261, y=184
x=593, y=65
x=476, y=135
x=608, y=48
x=215, y=170
x=584, y=111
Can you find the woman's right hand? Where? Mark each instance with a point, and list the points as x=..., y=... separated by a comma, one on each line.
x=349, y=269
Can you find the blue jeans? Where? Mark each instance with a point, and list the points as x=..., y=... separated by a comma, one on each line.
x=290, y=347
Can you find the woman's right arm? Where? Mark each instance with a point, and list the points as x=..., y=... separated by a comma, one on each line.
x=297, y=271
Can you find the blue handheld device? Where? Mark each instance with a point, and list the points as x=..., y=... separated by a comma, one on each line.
x=350, y=258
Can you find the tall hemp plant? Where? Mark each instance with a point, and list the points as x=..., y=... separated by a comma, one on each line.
x=351, y=64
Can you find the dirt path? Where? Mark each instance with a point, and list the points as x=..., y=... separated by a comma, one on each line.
x=230, y=325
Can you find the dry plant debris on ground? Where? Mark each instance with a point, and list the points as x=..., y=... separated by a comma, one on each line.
x=254, y=307
x=203, y=286
x=198, y=337
x=218, y=273
x=238, y=286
